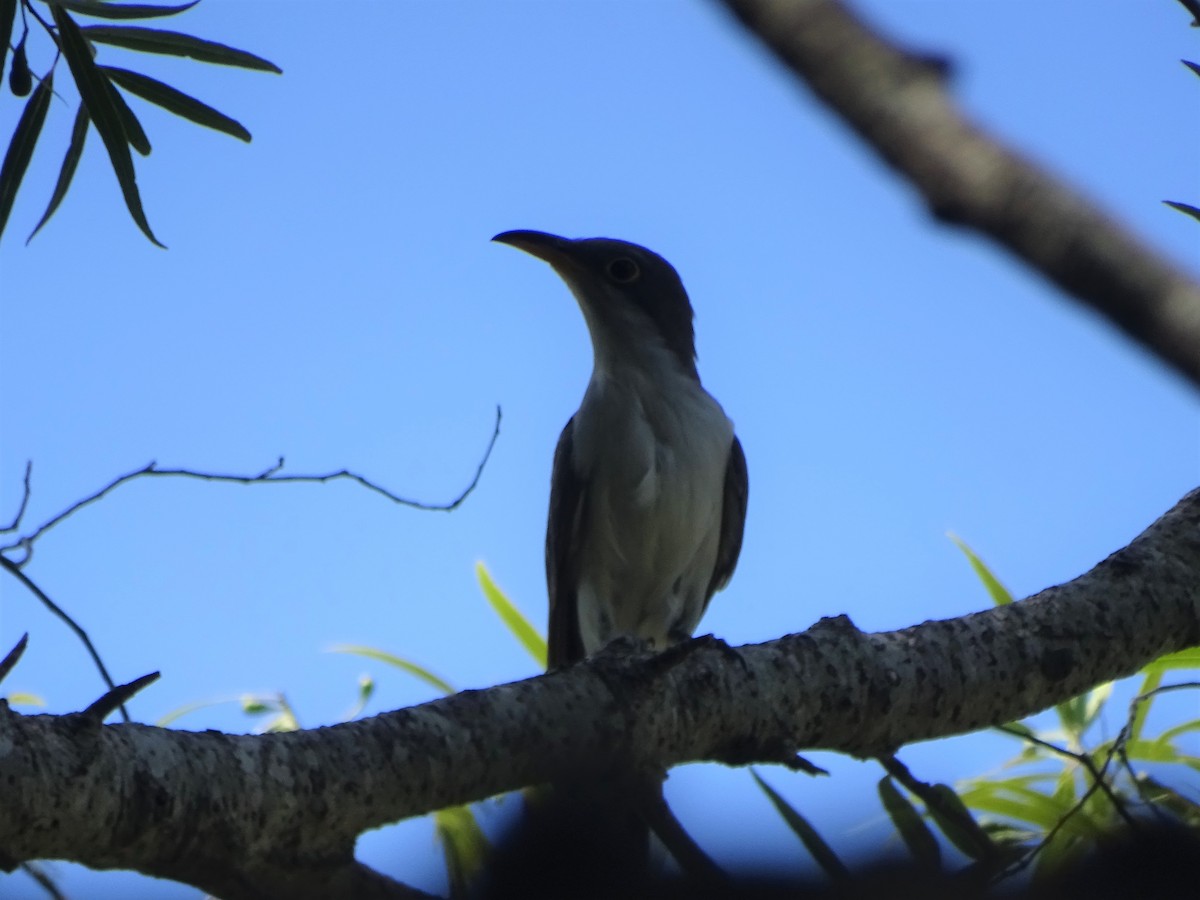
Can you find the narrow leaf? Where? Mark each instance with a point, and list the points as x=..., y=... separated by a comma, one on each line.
x=8, y=16
x=951, y=815
x=1181, y=659
x=999, y=593
x=95, y=92
x=1094, y=701
x=821, y=852
x=99, y=10
x=67, y=172
x=1191, y=65
x=1171, y=733
x=1167, y=797
x=187, y=708
x=1140, y=708
x=417, y=671
x=134, y=133
x=20, y=79
x=916, y=834
x=174, y=43
x=20, y=148
x=22, y=699
x=464, y=846
x=1185, y=208
x=512, y=617
x=1071, y=716
x=175, y=101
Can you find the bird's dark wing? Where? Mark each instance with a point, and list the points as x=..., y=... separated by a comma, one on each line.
x=733, y=518
x=568, y=496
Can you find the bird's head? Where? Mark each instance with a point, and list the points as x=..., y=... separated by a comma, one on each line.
x=632, y=298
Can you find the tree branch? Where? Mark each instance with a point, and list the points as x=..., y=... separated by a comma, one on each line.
x=270, y=475
x=278, y=814
x=897, y=102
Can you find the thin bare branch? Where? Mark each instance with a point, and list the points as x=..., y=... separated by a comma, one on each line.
x=15, y=570
x=270, y=475
x=1098, y=774
x=16, y=522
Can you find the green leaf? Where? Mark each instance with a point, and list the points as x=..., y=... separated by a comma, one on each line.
x=999, y=593
x=1170, y=799
x=955, y=821
x=1171, y=733
x=1031, y=806
x=173, y=43
x=916, y=834
x=520, y=626
x=8, y=16
x=96, y=94
x=23, y=699
x=1185, y=208
x=1066, y=788
x=100, y=10
x=419, y=672
x=463, y=844
x=134, y=133
x=821, y=852
x=1094, y=701
x=1159, y=750
x=175, y=101
x=1141, y=706
x=1182, y=659
x=1059, y=852
x=1070, y=716
x=20, y=148
x=366, y=688
x=187, y=708
x=67, y=172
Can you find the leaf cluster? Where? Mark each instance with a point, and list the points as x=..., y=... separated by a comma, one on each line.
x=1067, y=793
x=102, y=89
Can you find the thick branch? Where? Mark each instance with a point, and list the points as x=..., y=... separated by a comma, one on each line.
x=235, y=813
x=898, y=104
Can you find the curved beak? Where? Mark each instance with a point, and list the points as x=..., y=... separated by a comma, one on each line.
x=549, y=247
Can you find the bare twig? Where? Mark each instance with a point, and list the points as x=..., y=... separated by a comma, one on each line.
x=44, y=881
x=14, y=656
x=16, y=522
x=1099, y=781
x=897, y=102
x=15, y=571
x=270, y=475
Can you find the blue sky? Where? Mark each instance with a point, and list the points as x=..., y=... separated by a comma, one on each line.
x=330, y=295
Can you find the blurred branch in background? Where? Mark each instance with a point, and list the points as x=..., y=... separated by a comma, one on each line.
x=898, y=103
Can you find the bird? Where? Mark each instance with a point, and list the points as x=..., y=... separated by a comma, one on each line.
x=648, y=494
x=649, y=486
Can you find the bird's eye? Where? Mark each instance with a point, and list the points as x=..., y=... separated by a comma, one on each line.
x=623, y=270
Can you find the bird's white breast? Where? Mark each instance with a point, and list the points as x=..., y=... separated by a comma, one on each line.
x=652, y=449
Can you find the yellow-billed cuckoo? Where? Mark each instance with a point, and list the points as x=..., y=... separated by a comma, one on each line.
x=648, y=492
x=647, y=506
